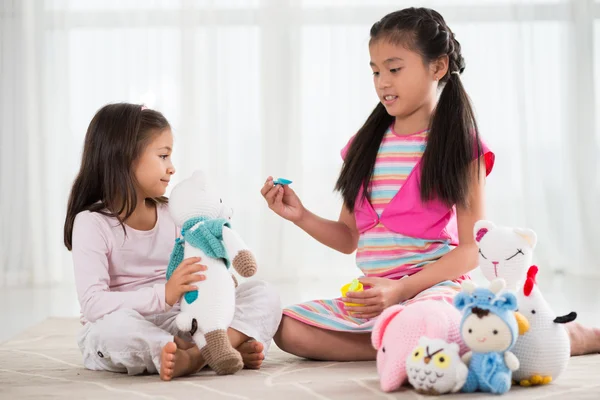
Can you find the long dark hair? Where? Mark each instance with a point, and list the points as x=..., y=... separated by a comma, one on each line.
x=116, y=136
x=453, y=136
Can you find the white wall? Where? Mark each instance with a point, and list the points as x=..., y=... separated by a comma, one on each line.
x=257, y=88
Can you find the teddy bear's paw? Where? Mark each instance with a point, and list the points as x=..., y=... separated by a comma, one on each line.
x=184, y=322
x=244, y=263
x=229, y=364
x=219, y=354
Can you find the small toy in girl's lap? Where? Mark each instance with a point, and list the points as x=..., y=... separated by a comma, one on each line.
x=282, y=181
x=354, y=286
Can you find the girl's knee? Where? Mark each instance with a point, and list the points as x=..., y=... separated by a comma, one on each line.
x=123, y=318
x=108, y=339
x=290, y=338
x=261, y=295
x=116, y=325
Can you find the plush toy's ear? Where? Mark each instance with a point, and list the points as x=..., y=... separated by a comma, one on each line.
x=382, y=323
x=462, y=300
x=507, y=301
x=497, y=285
x=481, y=228
x=527, y=234
x=468, y=286
x=199, y=177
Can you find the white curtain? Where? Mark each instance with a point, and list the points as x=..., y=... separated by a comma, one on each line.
x=276, y=87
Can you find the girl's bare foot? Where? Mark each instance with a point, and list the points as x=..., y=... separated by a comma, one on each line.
x=252, y=354
x=176, y=362
x=584, y=340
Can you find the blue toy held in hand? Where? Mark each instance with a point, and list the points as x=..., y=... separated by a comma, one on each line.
x=282, y=181
x=490, y=327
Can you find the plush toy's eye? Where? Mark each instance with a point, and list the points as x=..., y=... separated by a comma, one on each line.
x=533, y=311
x=482, y=254
x=221, y=200
x=418, y=353
x=495, y=332
x=470, y=330
x=383, y=349
x=519, y=251
x=441, y=360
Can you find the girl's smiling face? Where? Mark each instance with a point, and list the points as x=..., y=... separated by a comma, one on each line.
x=403, y=81
x=153, y=168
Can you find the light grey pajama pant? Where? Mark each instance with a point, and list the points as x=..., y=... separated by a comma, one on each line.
x=126, y=341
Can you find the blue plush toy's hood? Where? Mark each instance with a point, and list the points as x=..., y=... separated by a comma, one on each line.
x=503, y=304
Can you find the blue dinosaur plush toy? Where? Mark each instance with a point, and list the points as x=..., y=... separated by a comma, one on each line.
x=489, y=327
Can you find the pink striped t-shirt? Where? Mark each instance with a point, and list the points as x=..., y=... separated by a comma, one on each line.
x=382, y=252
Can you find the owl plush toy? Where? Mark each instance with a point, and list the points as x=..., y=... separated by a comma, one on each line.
x=434, y=367
x=397, y=332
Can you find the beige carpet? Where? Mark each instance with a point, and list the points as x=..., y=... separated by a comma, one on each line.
x=44, y=362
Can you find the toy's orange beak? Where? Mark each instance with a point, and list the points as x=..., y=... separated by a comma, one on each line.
x=522, y=323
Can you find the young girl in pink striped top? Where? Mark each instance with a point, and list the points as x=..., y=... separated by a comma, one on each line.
x=413, y=187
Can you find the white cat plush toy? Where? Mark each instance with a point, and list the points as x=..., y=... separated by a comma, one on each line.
x=504, y=252
x=544, y=350
x=206, y=233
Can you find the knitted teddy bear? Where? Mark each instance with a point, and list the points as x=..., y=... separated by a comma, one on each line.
x=504, y=252
x=398, y=330
x=208, y=312
x=490, y=329
x=544, y=351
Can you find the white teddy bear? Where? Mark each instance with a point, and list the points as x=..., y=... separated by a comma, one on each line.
x=206, y=233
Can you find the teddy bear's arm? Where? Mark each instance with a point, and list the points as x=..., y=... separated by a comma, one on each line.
x=241, y=257
x=233, y=242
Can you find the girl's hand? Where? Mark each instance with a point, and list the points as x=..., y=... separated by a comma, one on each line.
x=381, y=294
x=282, y=200
x=183, y=277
